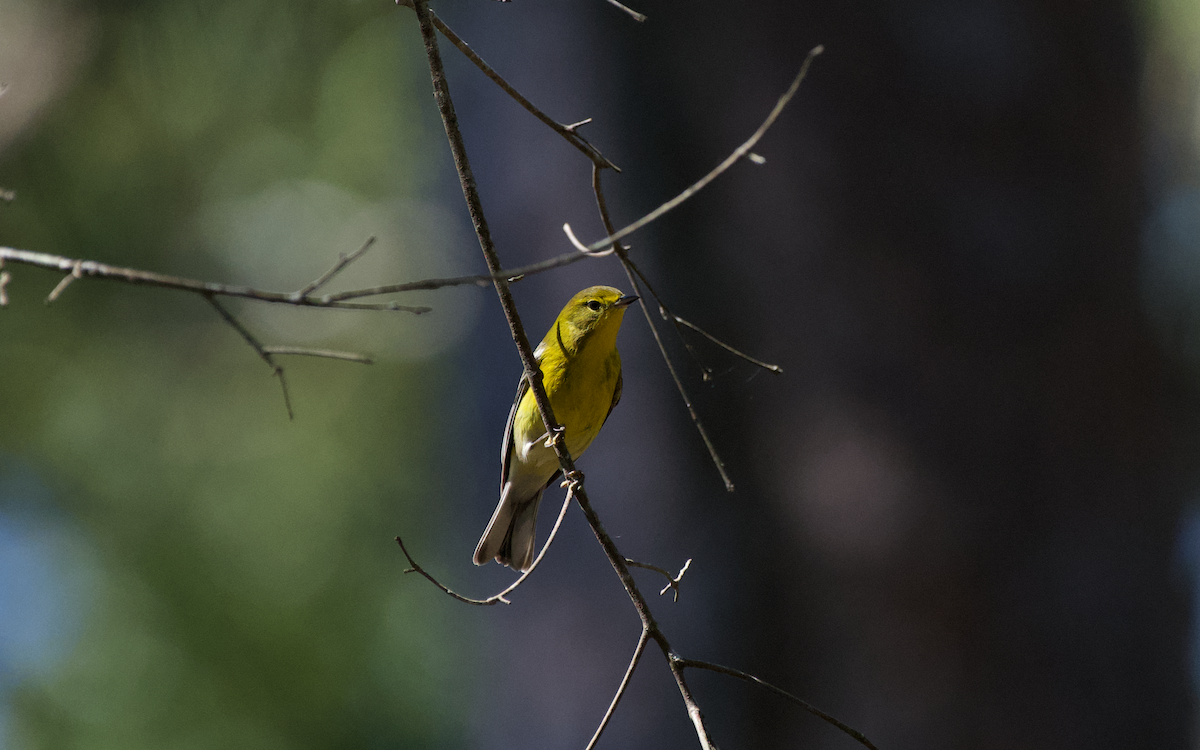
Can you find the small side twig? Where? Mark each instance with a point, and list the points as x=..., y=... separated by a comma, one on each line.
x=342, y=261
x=66, y=281
x=672, y=581
x=257, y=346
x=326, y=353
x=639, y=17
x=678, y=321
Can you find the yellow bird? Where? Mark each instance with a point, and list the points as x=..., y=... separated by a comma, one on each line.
x=581, y=372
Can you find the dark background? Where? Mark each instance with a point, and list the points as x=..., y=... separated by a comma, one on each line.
x=964, y=513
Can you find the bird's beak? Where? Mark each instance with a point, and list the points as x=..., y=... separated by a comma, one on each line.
x=626, y=301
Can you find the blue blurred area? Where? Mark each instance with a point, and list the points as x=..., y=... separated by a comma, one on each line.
x=44, y=576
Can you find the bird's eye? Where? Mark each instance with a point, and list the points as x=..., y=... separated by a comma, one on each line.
x=594, y=304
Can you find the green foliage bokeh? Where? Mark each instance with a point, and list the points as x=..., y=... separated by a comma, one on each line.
x=229, y=573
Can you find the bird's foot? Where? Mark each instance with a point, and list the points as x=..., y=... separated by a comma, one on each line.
x=572, y=479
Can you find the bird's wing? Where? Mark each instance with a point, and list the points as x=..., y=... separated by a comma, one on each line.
x=616, y=397
x=506, y=450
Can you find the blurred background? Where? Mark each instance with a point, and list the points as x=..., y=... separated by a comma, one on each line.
x=966, y=515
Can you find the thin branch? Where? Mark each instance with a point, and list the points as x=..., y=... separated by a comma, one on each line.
x=694, y=664
x=639, y=17
x=566, y=131
x=502, y=596
x=693, y=708
x=258, y=347
x=737, y=154
x=343, y=261
x=687, y=400
x=507, y=274
x=765, y=365
x=92, y=269
x=62, y=285
x=643, y=639
x=327, y=353
x=677, y=320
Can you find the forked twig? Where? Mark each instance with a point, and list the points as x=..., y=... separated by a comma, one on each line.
x=254, y=343
x=672, y=581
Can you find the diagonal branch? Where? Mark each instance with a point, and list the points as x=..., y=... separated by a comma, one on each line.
x=694, y=664
x=258, y=347
x=738, y=153
x=566, y=131
x=643, y=639
x=662, y=349
x=639, y=17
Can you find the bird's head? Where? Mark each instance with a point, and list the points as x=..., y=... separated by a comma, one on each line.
x=595, y=309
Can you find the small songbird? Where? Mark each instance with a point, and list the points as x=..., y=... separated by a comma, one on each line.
x=581, y=372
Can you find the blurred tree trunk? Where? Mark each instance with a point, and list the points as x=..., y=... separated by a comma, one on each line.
x=958, y=506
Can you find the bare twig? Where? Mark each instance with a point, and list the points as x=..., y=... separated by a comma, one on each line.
x=326, y=353
x=602, y=205
x=507, y=274
x=258, y=347
x=639, y=17
x=502, y=596
x=672, y=581
x=694, y=664
x=678, y=321
x=765, y=365
x=643, y=639
x=94, y=269
x=343, y=261
x=62, y=285
x=738, y=153
x=566, y=131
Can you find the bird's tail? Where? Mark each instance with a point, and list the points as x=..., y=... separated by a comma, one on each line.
x=510, y=535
